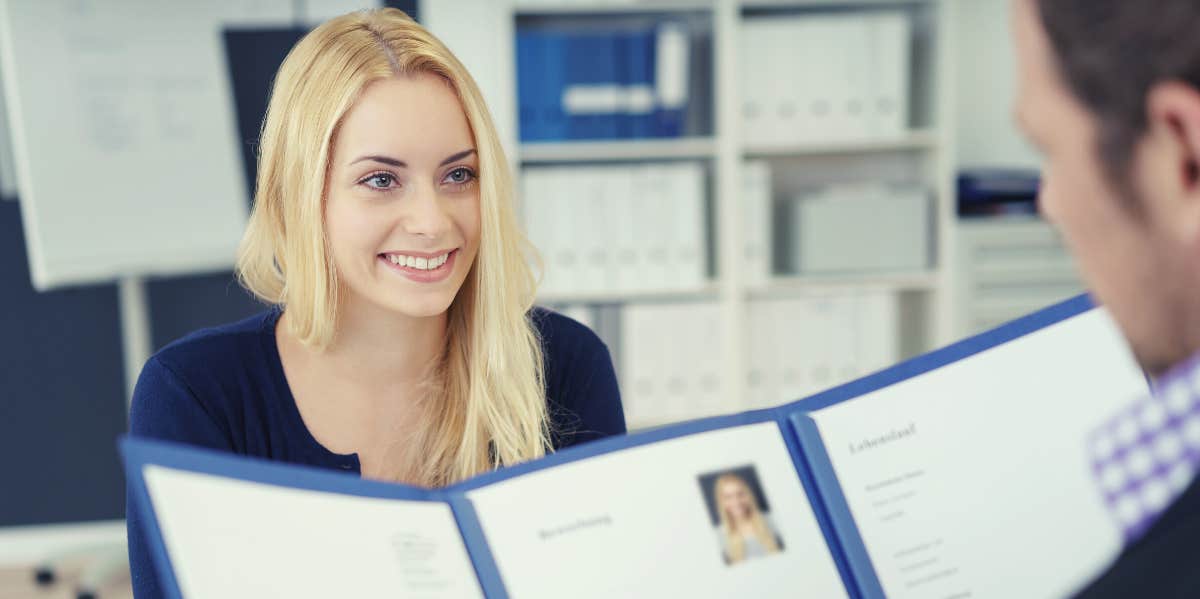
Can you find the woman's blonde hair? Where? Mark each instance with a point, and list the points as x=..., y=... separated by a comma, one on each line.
x=488, y=406
x=735, y=544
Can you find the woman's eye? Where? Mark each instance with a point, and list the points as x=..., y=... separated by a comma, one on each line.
x=460, y=176
x=379, y=181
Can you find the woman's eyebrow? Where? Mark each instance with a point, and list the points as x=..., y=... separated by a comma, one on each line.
x=384, y=159
x=401, y=164
x=457, y=157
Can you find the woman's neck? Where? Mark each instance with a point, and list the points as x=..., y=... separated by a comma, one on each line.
x=743, y=525
x=382, y=348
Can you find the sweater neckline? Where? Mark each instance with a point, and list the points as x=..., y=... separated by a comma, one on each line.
x=291, y=411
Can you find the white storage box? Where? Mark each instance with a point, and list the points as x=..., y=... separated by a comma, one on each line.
x=860, y=228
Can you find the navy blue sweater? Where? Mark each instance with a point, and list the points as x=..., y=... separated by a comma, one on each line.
x=224, y=388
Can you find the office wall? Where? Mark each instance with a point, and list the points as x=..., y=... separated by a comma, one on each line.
x=985, y=85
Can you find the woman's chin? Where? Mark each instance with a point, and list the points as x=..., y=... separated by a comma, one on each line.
x=425, y=308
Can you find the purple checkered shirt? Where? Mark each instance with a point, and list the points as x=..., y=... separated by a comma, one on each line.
x=1146, y=455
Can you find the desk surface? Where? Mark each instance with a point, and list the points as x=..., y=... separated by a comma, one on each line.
x=16, y=582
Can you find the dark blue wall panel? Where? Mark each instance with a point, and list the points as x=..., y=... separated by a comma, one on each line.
x=62, y=394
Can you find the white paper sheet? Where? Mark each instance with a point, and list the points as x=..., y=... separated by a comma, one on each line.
x=635, y=524
x=973, y=480
x=230, y=538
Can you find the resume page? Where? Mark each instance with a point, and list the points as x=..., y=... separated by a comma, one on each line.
x=973, y=480
x=232, y=538
x=647, y=522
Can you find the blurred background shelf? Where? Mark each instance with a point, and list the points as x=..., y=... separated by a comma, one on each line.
x=617, y=150
x=828, y=4
x=706, y=292
x=607, y=7
x=893, y=282
x=752, y=176
x=913, y=141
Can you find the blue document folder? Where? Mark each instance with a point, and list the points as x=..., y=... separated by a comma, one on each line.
x=587, y=84
x=820, y=525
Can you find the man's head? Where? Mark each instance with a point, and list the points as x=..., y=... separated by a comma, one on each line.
x=1109, y=91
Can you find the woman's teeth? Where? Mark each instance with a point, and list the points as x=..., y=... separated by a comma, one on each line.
x=416, y=262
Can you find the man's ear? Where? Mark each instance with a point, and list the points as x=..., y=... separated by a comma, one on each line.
x=1173, y=115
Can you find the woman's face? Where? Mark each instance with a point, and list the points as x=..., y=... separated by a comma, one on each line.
x=736, y=500
x=402, y=198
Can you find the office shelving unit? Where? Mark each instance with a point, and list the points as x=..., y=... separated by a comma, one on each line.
x=923, y=154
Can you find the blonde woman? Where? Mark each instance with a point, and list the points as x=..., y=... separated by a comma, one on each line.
x=401, y=344
x=744, y=530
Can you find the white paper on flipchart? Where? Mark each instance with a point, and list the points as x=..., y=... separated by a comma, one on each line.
x=124, y=138
x=993, y=491
x=319, y=11
x=8, y=171
x=233, y=538
x=235, y=13
x=640, y=512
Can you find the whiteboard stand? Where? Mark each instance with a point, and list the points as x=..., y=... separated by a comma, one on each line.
x=135, y=329
x=112, y=559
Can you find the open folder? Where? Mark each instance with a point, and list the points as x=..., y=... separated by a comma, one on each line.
x=961, y=473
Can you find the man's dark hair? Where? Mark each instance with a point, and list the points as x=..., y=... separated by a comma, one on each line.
x=1112, y=52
